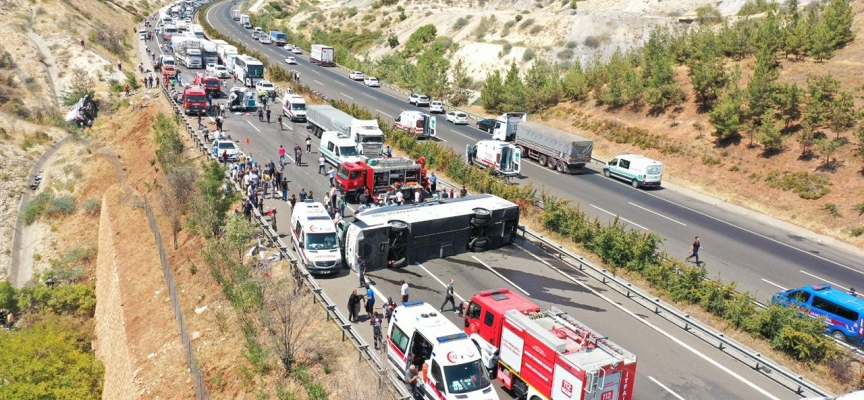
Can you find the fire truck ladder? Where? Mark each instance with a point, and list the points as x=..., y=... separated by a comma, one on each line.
x=587, y=333
x=393, y=163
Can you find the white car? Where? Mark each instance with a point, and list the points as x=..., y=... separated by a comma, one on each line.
x=457, y=118
x=221, y=147
x=436, y=107
x=356, y=75
x=296, y=50
x=418, y=99
x=371, y=81
x=263, y=39
x=290, y=60
x=210, y=69
x=265, y=86
x=221, y=71
x=256, y=35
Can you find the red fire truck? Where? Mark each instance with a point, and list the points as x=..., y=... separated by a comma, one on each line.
x=546, y=355
x=380, y=175
x=194, y=100
x=211, y=84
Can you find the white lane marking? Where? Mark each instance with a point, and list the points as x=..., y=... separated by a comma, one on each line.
x=383, y=113
x=501, y=276
x=824, y=280
x=755, y=233
x=369, y=96
x=461, y=299
x=461, y=134
x=340, y=83
x=654, y=327
x=774, y=284
x=621, y=218
x=314, y=71
x=253, y=126
x=318, y=82
x=657, y=214
x=665, y=388
x=349, y=97
x=439, y=138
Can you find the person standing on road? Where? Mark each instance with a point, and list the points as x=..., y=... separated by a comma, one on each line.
x=341, y=204
x=694, y=250
x=302, y=194
x=260, y=114
x=370, y=301
x=361, y=270
x=279, y=120
x=448, y=296
x=199, y=119
x=404, y=291
x=389, y=306
x=219, y=121
x=308, y=144
x=433, y=182
x=297, y=154
x=268, y=115
x=353, y=306
x=322, y=165
x=331, y=174
x=413, y=381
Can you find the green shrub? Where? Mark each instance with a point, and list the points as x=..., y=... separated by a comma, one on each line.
x=566, y=54
x=528, y=55
x=460, y=23
x=91, y=206
x=807, y=185
x=61, y=205
x=36, y=207
x=75, y=299
x=535, y=29
x=526, y=23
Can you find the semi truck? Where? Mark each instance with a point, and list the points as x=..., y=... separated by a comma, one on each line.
x=444, y=356
x=197, y=30
x=366, y=133
x=209, y=52
x=314, y=238
x=503, y=157
x=188, y=52
x=415, y=233
x=235, y=14
x=556, y=149
x=278, y=38
x=322, y=55
x=546, y=354
x=245, y=21
x=223, y=50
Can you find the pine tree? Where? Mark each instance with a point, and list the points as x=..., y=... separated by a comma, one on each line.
x=768, y=133
x=545, y=86
x=844, y=116
x=514, y=91
x=787, y=100
x=432, y=66
x=821, y=41
x=727, y=117
x=790, y=38
x=708, y=76
x=459, y=84
x=616, y=71
x=760, y=87
x=821, y=94
x=575, y=83
x=838, y=18
x=492, y=94
x=661, y=90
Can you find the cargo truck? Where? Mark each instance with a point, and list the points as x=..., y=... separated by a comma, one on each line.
x=225, y=50
x=245, y=21
x=322, y=55
x=278, y=38
x=556, y=149
x=366, y=133
x=546, y=354
x=235, y=14
x=415, y=233
x=209, y=52
x=188, y=52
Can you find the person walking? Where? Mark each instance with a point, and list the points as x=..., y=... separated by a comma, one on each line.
x=433, y=182
x=322, y=165
x=281, y=154
x=219, y=121
x=268, y=115
x=353, y=306
x=341, y=204
x=308, y=144
x=448, y=296
x=260, y=114
x=370, y=301
x=694, y=250
x=126, y=88
x=302, y=194
x=298, y=154
x=404, y=291
x=361, y=270
x=389, y=306
x=199, y=119
x=376, y=330
x=331, y=174
x=279, y=120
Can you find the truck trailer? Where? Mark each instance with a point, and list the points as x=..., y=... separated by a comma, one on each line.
x=188, y=52
x=366, y=133
x=397, y=236
x=556, y=149
x=322, y=55
x=278, y=38
x=235, y=14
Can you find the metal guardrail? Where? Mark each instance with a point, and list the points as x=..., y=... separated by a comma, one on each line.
x=349, y=332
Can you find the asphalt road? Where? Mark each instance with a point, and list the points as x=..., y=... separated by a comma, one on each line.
x=762, y=258
x=672, y=364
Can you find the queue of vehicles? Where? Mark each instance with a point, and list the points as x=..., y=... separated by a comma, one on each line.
x=366, y=134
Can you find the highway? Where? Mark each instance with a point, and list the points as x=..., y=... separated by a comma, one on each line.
x=672, y=364
x=762, y=258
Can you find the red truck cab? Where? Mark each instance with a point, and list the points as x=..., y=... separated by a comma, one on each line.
x=194, y=100
x=484, y=313
x=380, y=175
x=211, y=84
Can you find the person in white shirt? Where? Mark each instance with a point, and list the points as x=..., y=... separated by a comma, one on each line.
x=399, y=197
x=416, y=197
x=404, y=291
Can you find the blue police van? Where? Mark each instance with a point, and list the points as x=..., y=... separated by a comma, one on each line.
x=842, y=312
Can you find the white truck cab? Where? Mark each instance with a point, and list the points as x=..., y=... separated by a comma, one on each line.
x=313, y=235
x=503, y=157
x=447, y=360
x=294, y=106
x=640, y=171
x=338, y=148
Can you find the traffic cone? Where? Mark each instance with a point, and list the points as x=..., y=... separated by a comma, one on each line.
x=247, y=140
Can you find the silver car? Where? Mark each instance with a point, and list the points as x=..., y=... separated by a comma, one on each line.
x=418, y=100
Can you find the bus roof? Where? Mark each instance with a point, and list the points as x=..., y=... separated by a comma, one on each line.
x=433, y=211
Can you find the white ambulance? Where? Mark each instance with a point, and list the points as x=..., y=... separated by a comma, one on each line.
x=294, y=106
x=640, y=171
x=503, y=157
x=313, y=234
x=448, y=361
x=417, y=123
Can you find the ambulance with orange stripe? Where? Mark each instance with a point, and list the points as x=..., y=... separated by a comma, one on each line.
x=450, y=364
x=313, y=234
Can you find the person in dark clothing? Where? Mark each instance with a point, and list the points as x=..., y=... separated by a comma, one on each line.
x=293, y=200
x=302, y=194
x=297, y=154
x=261, y=114
x=199, y=118
x=268, y=115
x=353, y=308
x=694, y=250
x=448, y=297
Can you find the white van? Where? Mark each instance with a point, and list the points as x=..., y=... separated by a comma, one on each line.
x=338, y=148
x=314, y=237
x=640, y=171
x=294, y=106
